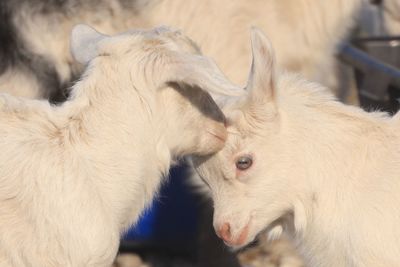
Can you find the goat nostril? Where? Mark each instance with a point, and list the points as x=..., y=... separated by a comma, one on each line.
x=225, y=232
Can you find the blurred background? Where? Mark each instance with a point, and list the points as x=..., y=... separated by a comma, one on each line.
x=350, y=46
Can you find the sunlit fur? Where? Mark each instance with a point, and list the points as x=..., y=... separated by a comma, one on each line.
x=74, y=177
x=326, y=173
x=305, y=32
x=391, y=14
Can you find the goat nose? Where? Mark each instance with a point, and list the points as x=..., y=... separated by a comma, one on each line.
x=224, y=232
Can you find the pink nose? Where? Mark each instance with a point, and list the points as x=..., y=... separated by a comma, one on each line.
x=224, y=232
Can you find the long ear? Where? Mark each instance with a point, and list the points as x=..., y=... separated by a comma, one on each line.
x=261, y=78
x=200, y=71
x=84, y=42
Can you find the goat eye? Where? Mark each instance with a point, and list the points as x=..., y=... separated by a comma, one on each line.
x=243, y=163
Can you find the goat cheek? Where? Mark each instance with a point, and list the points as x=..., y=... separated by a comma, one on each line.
x=240, y=174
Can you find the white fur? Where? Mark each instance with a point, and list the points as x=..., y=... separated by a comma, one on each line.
x=304, y=32
x=18, y=82
x=391, y=12
x=74, y=177
x=325, y=172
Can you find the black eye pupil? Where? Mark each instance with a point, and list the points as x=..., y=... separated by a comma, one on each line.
x=243, y=163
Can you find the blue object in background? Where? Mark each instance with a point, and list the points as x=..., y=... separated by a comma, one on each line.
x=172, y=217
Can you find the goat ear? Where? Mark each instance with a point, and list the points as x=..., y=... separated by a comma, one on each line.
x=200, y=71
x=84, y=42
x=261, y=78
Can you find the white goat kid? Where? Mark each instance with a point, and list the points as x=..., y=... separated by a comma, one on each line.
x=298, y=160
x=74, y=177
